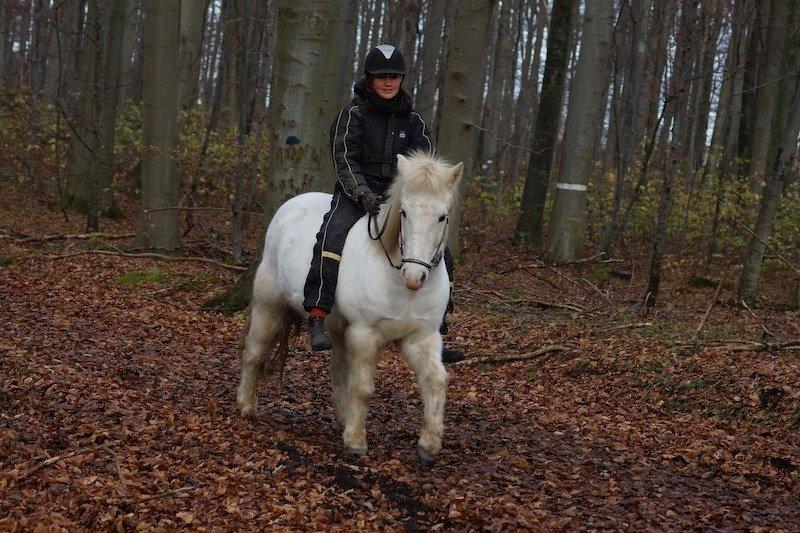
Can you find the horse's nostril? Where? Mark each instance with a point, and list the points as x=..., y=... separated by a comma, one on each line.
x=423, y=278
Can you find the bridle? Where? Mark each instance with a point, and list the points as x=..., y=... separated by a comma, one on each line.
x=433, y=263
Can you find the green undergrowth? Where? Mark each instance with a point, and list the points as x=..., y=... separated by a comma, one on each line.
x=162, y=276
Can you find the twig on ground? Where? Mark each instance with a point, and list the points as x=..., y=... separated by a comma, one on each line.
x=149, y=497
x=532, y=301
x=520, y=267
x=121, y=478
x=597, y=289
x=747, y=345
x=76, y=236
x=151, y=255
x=767, y=333
x=528, y=269
x=780, y=256
x=200, y=208
x=592, y=259
x=55, y=459
x=708, y=309
x=625, y=326
x=508, y=358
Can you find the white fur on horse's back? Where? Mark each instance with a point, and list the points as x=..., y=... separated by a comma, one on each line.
x=289, y=242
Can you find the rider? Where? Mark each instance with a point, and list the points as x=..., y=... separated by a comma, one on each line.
x=366, y=137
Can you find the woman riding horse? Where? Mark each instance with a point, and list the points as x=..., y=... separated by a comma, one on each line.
x=366, y=137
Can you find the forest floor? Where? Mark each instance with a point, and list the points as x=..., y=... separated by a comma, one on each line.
x=117, y=406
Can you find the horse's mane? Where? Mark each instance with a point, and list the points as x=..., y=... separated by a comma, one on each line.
x=426, y=172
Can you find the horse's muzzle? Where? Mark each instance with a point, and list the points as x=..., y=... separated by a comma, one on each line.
x=414, y=276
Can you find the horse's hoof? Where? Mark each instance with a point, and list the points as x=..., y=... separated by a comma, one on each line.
x=247, y=409
x=355, y=451
x=425, y=459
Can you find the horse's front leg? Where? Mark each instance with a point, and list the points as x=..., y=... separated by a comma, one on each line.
x=425, y=356
x=362, y=344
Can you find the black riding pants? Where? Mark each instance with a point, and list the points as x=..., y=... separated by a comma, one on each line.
x=321, y=281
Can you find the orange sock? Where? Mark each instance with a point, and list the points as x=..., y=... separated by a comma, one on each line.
x=317, y=312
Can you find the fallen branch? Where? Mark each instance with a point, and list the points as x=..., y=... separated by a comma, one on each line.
x=508, y=358
x=748, y=346
x=593, y=259
x=77, y=236
x=709, y=308
x=626, y=326
x=200, y=208
x=767, y=333
x=55, y=459
x=520, y=267
x=151, y=255
x=149, y=497
x=532, y=301
x=780, y=256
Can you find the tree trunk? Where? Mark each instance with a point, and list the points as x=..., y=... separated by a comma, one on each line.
x=161, y=40
x=585, y=110
x=460, y=90
x=6, y=31
x=768, y=90
x=407, y=42
x=726, y=126
x=528, y=100
x=91, y=167
x=347, y=43
x=430, y=61
x=497, y=83
x=776, y=180
x=664, y=205
x=193, y=17
x=534, y=195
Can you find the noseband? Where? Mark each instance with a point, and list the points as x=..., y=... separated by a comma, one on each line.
x=435, y=260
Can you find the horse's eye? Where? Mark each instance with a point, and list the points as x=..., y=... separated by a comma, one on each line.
x=442, y=218
x=402, y=213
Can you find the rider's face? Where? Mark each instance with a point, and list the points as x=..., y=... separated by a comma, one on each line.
x=387, y=85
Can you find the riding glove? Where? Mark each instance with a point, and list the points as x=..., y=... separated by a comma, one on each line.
x=371, y=202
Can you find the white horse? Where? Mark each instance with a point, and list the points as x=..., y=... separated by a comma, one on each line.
x=375, y=304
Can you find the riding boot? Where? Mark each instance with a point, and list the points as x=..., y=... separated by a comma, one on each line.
x=316, y=334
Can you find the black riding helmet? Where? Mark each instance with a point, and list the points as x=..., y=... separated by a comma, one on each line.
x=384, y=59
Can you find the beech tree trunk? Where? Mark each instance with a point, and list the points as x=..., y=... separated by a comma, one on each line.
x=430, y=61
x=779, y=175
x=585, y=110
x=461, y=88
x=193, y=17
x=534, y=195
x=768, y=90
x=90, y=171
x=161, y=42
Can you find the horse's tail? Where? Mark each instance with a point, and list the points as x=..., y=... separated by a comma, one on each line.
x=275, y=364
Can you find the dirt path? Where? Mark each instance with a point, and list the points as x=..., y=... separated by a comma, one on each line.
x=144, y=382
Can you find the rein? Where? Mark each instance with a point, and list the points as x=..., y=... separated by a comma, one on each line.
x=435, y=260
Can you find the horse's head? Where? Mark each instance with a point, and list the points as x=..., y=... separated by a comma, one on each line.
x=418, y=216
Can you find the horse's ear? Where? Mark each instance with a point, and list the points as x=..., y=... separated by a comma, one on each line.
x=455, y=172
x=402, y=163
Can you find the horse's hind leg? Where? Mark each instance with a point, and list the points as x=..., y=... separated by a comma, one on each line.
x=263, y=326
x=338, y=371
x=362, y=344
x=424, y=355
